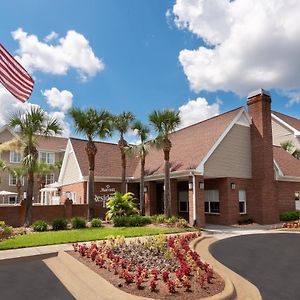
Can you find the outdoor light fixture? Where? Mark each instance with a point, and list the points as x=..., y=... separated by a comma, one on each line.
x=68, y=195
x=232, y=186
x=145, y=189
x=190, y=186
x=201, y=185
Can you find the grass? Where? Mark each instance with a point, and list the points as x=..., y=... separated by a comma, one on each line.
x=80, y=235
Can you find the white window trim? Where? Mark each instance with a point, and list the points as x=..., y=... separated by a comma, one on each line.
x=47, y=153
x=10, y=180
x=11, y=155
x=50, y=174
x=209, y=201
x=245, y=203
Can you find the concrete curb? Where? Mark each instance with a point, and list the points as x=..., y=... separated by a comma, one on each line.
x=236, y=287
x=82, y=282
x=229, y=291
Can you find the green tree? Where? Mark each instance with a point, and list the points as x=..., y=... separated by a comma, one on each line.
x=122, y=124
x=120, y=205
x=141, y=150
x=2, y=167
x=91, y=123
x=290, y=147
x=18, y=171
x=30, y=124
x=165, y=122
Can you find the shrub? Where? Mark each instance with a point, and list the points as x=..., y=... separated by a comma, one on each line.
x=2, y=224
x=7, y=230
x=133, y=221
x=290, y=215
x=121, y=205
x=158, y=218
x=59, y=224
x=245, y=221
x=182, y=223
x=96, y=222
x=40, y=225
x=78, y=222
x=172, y=220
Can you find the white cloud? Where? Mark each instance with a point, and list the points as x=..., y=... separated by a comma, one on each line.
x=58, y=99
x=293, y=95
x=198, y=110
x=72, y=51
x=249, y=44
x=10, y=105
x=61, y=118
x=51, y=36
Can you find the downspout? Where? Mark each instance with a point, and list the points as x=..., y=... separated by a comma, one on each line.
x=194, y=199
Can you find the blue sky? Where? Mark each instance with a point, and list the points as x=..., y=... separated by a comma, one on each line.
x=155, y=55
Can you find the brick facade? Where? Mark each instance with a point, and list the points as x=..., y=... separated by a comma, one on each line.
x=266, y=203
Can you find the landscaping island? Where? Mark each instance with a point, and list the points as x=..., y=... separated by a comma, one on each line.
x=158, y=267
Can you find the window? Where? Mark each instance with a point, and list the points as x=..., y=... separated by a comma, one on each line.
x=183, y=201
x=13, y=180
x=211, y=201
x=47, y=157
x=12, y=199
x=242, y=201
x=73, y=197
x=49, y=178
x=15, y=157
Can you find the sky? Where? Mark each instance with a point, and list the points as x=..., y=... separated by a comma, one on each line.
x=198, y=57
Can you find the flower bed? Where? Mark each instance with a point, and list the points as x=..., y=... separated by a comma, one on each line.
x=292, y=225
x=157, y=267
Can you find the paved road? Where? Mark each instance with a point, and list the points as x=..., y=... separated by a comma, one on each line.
x=269, y=261
x=30, y=280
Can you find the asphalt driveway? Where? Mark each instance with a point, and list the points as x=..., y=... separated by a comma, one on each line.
x=270, y=261
x=30, y=280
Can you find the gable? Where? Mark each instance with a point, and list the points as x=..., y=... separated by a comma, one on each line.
x=6, y=135
x=70, y=171
x=232, y=157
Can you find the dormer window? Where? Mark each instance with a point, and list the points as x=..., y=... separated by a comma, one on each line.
x=15, y=157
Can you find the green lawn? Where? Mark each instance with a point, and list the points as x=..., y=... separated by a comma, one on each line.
x=80, y=235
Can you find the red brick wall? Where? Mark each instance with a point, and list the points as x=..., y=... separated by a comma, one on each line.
x=229, y=200
x=265, y=209
x=11, y=215
x=79, y=188
x=286, y=195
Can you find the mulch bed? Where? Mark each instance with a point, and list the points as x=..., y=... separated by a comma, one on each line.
x=210, y=287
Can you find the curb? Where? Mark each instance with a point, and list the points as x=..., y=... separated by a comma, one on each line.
x=241, y=288
x=229, y=291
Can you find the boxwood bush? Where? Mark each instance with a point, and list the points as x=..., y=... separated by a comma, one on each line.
x=78, y=222
x=59, y=224
x=290, y=215
x=131, y=221
x=40, y=225
x=96, y=222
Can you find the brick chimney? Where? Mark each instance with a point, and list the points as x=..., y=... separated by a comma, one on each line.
x=264, y=203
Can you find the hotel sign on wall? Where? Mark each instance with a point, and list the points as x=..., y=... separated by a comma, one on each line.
x=105, y=194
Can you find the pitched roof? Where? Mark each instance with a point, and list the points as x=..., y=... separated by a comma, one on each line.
x=294, y=122
x=107, y=161
x=289, y=165
x=52, y=143
x=189, y=145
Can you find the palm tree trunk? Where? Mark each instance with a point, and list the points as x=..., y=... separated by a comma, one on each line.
x=18, y=186
x=91, y=152
x=29, y=194
x=167, y=200
x=123, y=184
x=142, y=195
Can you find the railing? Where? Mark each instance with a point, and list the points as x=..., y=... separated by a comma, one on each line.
x=8, y=201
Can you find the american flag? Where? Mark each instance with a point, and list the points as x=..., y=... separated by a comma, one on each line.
x=14, y=77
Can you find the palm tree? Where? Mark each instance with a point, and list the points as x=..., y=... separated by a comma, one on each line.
x=30, y=124
x=122, y=124
x=289, y=147
x=141, y=150
x=41, y=170
x=92, y=123
x=18, y=171
x=164, y=123
x=2, y=167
